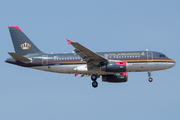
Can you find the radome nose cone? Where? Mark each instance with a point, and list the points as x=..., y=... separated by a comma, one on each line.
x=174, y=63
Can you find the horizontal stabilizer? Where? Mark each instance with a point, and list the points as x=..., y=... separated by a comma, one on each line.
x=18, y=57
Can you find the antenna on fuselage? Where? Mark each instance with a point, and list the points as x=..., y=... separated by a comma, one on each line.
x=73, y=52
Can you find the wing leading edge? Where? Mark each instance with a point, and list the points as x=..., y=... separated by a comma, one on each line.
x=87, y=55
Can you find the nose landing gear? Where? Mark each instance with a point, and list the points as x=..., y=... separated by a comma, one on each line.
x=150, y=78
x=94, y=78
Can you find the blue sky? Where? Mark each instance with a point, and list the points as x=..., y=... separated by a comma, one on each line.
x=114, y=25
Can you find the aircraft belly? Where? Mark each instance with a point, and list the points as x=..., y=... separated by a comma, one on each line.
x=149, y=66
x=82, y=69
x=64, y=68
x=57, y=68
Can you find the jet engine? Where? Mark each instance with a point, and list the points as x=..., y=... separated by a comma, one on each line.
x=114, y=67
x=116, y=78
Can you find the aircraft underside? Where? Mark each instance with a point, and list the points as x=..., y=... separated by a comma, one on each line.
x=114, y=77
x=82, y=69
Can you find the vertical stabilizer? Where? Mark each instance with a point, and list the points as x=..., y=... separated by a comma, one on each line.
x=22, y=44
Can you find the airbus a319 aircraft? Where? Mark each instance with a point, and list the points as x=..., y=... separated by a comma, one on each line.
x=112, y=66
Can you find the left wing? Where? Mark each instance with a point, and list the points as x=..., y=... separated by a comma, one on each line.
x=87, y=55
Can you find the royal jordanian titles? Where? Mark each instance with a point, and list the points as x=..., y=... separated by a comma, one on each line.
x=111, y=66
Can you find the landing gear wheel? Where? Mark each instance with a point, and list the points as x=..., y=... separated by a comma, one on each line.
x=94, y=77
x=150, y=79
x=94, y=84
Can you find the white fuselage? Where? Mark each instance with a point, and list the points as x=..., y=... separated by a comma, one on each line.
x=82, y=69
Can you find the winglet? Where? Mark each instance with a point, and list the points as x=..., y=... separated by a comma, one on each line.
x=69, y=42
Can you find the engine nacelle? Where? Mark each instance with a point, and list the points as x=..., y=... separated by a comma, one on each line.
x=114, y=67
x=116, y=78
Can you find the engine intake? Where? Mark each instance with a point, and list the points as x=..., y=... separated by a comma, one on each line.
x=116, y=78
x=114, y=67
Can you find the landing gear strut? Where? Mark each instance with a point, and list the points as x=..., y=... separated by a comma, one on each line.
x=150, y=78
x=94, y=78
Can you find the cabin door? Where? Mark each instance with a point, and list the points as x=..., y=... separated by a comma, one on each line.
x=149, y=56
x=44, y=59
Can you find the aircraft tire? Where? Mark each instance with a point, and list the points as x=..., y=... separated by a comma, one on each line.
x=150, y=79
x=94, y=77
x=94, y=84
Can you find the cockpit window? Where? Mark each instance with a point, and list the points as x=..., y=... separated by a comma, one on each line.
x=162, y=56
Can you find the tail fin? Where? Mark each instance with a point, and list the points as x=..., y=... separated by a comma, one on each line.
x=22, y=44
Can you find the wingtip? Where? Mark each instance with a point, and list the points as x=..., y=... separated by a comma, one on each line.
x=69, y=42
x=15, y=27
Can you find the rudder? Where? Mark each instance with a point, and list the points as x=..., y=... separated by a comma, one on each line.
x=22, y=44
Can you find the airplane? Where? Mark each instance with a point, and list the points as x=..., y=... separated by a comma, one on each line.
x=112, y=66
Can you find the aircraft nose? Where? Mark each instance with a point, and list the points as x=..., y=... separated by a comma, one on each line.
x=174, y=63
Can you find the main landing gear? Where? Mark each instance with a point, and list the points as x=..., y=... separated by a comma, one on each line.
x=150, y=78
x=94, y=78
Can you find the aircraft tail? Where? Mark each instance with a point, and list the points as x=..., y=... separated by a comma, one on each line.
x=22, y=44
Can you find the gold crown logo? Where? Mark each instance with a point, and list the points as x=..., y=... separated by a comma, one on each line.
x=142, y=53
x=25, y=46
